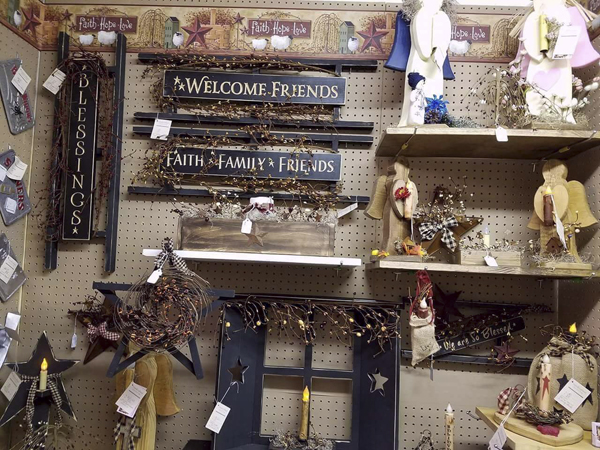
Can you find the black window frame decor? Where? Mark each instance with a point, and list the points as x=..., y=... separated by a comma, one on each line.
x=374, y=416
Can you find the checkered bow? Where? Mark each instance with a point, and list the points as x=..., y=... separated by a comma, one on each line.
x=101, y=330
x=168, y=254
x=37, y=439
x=428, y=231
x=507, y=398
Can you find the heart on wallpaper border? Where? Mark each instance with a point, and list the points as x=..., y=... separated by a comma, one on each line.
x=546, y=79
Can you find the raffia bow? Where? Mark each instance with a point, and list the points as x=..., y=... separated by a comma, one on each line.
x=428, y=231
x=168, y=254
x=101, y=330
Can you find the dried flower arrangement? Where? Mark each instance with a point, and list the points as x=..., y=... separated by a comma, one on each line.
x=535, y=416
x=561, y=255
x=289, y=441
x=469, y=244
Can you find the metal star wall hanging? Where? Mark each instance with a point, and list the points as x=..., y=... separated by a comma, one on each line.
x=377, y=382
x=505, y=353
x=31, y=21
x=237, y=372
x=445, y=306
x=31, y=368
x=372, y=38
x=196, y=33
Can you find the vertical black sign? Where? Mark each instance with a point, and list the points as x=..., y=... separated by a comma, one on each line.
x=81, y=157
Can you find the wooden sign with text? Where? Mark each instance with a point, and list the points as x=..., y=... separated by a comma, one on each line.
x=249, y=87
x=472, y=338
x=269, y=27
x=120, y=24
x=278, y=165
x=81, y=157
x=474, y=33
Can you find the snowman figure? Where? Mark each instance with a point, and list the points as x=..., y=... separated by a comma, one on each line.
x=418, y=101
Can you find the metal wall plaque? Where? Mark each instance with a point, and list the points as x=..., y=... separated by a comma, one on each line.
x=250, y=87
x=81, y=157
x=217, y=162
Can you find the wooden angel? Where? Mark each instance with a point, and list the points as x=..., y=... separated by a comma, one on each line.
x=155, y=372
x=562, y=199
x=394, y=200
x=548, y=72
x=430, y=32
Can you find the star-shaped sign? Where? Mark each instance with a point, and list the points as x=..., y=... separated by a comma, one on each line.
x=372, y=38
x=31, y=368
x=506, y=354
x=445, y=306
x=238, y=19
x=31, y=21
x=237, y=372
x=196, y=33
x=377, y=382
x=465, y=225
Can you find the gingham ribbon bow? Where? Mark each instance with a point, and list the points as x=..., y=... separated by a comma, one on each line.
x=168, y=254
x=428, y=231
x=101, y=330
x=30, y=442
x=506, y=397
x=129, y=430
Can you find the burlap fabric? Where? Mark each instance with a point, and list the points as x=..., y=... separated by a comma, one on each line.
x=568, y=361
x=422, y=334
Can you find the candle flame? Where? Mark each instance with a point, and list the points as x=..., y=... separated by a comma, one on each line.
x=44, y=364
x=545, y=359
x=449, y=409
x=305, y=394
x=573, y=328
x=548, y=191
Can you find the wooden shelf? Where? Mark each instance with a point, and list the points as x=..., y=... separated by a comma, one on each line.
x=518, y=442
x=324, y=261
x=457, y=268
x=445, y=142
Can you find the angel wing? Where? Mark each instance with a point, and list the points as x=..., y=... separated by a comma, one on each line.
x=578, y=204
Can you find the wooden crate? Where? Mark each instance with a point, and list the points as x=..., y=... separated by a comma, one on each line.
x=287, y=238
x=475, y=258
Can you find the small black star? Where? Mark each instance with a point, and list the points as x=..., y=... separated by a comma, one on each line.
x=537, y=389
x=590, y=397
x=562, y=382
x=237, y=372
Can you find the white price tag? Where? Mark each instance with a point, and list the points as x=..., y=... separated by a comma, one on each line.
x=217, y=418
x=7, y=269
x=129, y=402
x=55, y=81
x=21, y=80
x=347, y=210
x=501, y=134
x=2, y=172
x=568, y=37
x=154, y=276
x=11, y=386
x=10, y=205
x=161, y=129
x=74, y=341
x=246, y=226
x=490, y=261
x=572, y=395
x=17, y=170
x=498, y=439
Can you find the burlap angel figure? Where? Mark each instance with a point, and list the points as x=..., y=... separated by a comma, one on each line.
x=394, y=200
x=155, y=372
x=571, y=206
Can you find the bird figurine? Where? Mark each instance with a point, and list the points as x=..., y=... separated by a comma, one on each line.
x=107, y=37
x=259, y=44
x=281, y=42
x=86, y=39
x=353, y=44
x=178, y=39
x=18, y=18
x=459, y=47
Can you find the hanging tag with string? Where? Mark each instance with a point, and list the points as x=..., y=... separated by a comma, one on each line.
x=574, y=393
x=74, y=337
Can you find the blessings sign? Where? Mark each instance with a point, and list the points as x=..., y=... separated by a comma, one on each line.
x=247, y=87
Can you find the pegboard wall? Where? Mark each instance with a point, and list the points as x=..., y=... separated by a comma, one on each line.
x=502, y=194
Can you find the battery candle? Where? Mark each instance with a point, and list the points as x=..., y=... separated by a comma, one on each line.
x=486, y=237
x=44, y=375
x=544, y=44
x=449, y=422
x=548, y=207
x=545, y=377
x=303, y=433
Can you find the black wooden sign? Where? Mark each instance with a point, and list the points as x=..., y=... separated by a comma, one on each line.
x=472, y=338
x=217, y=162
x=249, y=87
x=81, y=157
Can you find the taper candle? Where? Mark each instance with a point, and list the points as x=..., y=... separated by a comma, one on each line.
x=544, y=44
x=449, y=420
x=545, y=377
x=486, y=237
x=303, y=433
x=409, y=202
x=548, y=208
x=44, y=375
